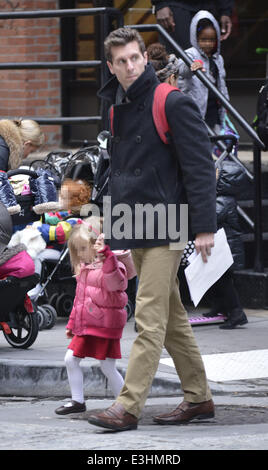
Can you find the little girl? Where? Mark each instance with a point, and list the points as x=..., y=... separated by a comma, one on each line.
x=98, y=315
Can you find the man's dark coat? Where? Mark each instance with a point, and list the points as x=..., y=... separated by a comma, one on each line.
x=144, y=170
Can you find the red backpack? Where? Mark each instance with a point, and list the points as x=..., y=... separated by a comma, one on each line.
x=158, y=110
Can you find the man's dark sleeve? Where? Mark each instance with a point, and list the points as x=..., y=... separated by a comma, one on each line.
x=193, y=150
x=225, y=7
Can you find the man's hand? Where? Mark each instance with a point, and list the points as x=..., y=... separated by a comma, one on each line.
x=226, y=27
x=164, y=17
x=203, y=244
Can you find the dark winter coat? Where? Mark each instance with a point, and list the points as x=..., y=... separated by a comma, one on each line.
x=229, y=187
x=146, y=171
x=44, y=191
x=7, y=196
x=222, y=7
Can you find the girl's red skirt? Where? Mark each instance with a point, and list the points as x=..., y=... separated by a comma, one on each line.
x=94, y=346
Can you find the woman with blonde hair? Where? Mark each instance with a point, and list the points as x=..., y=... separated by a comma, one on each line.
x=18, y=138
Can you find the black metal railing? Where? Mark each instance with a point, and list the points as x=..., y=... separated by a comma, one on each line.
x=106, y=14
x=202, y=76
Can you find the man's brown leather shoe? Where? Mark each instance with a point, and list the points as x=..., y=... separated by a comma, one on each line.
x=186, y=412
x=115, y=417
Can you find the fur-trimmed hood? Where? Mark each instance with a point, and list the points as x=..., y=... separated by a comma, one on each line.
x=16, y=262
x=11, y=135
x=10, y=252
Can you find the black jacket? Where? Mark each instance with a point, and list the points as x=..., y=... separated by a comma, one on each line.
x=216, y=7
x=146, y=171
x=4, y=154
x=231, y=181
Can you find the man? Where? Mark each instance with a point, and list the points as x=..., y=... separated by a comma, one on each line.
x=176, y=16
x=145, y=170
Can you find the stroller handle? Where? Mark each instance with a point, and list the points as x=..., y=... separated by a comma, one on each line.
x=230, y=140
x=22, y=171
x=231, y=137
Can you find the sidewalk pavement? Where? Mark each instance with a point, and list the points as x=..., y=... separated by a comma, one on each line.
x=236, y=362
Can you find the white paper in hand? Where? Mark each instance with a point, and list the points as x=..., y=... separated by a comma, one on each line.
x=201, y=276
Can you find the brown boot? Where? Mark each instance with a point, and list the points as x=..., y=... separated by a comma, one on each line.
x=186, y=412
x=115, y=417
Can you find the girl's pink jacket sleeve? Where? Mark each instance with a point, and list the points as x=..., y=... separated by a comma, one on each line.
x=71, y=320
x=114, y=272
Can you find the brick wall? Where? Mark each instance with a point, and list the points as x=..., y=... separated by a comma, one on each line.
x=31, y=92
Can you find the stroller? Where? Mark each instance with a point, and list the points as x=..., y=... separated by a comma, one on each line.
x=18, y=317
x=90, y=164
x=32, y=204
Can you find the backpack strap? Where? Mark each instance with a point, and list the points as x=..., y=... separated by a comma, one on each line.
x=111, y=116
x=158, y=109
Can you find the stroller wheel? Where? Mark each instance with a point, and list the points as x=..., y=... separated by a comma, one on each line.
x=53, y=299
x=51, y=317
x=24, y=328
x=64, y=305
x=130, y=309
x=42, y=318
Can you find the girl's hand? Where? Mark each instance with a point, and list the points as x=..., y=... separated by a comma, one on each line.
x=69, y=334
x=197, y=65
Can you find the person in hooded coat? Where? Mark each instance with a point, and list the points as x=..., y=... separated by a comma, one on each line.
x=223, y=295
x=205, y=54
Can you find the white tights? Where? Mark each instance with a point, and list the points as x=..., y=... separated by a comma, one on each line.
x=75, y=375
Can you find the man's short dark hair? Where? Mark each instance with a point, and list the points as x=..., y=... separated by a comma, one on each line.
x=121, y=37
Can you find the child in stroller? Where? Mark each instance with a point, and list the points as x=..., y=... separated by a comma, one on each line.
x=18, y=320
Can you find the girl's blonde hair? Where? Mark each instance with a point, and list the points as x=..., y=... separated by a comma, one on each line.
x=30, y=130
x=88, y=230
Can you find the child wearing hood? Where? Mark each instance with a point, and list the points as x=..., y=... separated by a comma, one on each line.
x=205, y=53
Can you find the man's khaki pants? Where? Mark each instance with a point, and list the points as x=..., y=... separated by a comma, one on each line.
x=161, y=321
